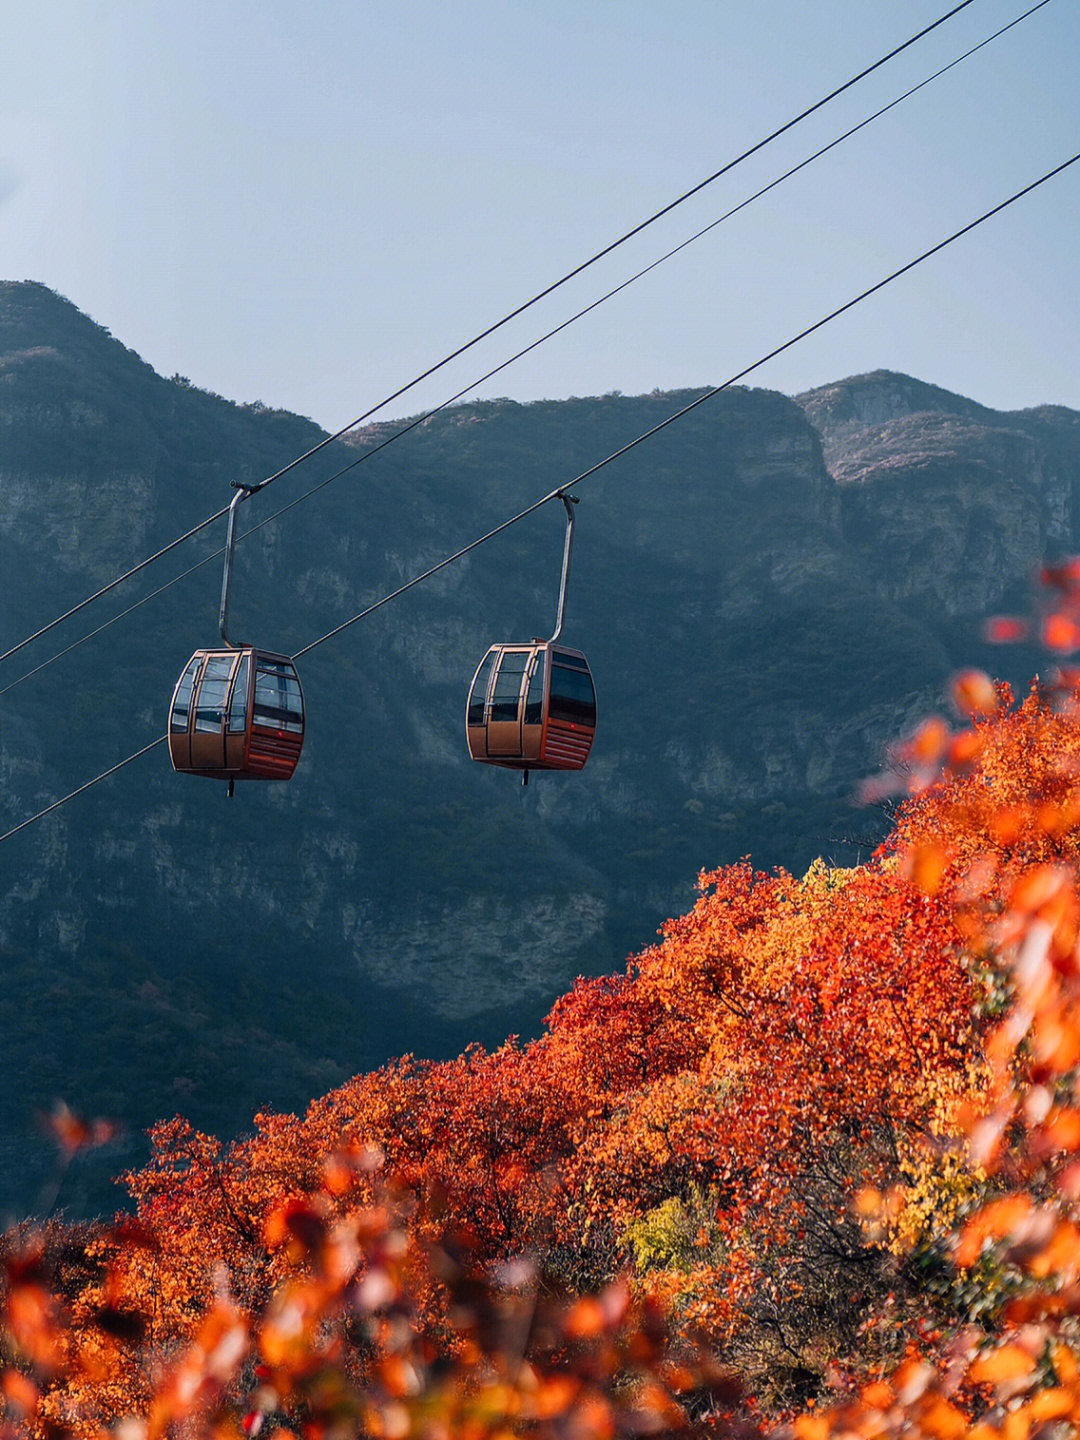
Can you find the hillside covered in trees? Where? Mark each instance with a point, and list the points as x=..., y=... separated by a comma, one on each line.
x=766, y=595
x=813, y=1160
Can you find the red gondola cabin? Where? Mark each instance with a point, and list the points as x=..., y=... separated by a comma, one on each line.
x=237, y=714
x=532, y=707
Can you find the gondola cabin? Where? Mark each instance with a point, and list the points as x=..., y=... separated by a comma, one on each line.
x=532, y=707
x=237, y=714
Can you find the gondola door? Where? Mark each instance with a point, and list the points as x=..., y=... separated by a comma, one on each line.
x=504, y=716
x=208, y=729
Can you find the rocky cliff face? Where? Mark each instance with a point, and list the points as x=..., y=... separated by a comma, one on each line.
x=943, y=499
x=766, y=592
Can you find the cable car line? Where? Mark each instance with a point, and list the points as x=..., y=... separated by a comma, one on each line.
x=560, y=490
x=121, y=615
x=82, y=788
x=692, y=405
x=112, y=584
x=498, y=324
x=490, y=374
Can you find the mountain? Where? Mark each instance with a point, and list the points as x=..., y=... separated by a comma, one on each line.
x=767, y=592
x=943, y=499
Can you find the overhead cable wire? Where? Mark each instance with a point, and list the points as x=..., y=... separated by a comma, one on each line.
x=608, y=459
x=527, y=349
x=83, y=788
x=592, y=470
x=120, y=615
x=692, y=405
x=498, y=324
x=112, y=584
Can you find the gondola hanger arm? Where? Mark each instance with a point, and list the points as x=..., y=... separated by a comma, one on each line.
x=243, y=492
x=569, y=501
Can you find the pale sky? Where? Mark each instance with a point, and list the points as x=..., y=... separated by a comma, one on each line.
x=306, y=202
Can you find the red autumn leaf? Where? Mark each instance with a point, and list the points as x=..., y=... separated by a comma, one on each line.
x=974, y=694
x=1005, y=629
x=1061, y=632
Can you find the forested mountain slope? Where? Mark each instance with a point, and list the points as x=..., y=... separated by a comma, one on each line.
x=761, y=614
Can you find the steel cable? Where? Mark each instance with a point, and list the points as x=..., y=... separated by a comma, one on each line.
x=498, y=324
x=693, y=404
x=519, y=354
x=600, y=464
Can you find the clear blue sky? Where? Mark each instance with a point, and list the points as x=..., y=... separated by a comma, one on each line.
x=307, y=203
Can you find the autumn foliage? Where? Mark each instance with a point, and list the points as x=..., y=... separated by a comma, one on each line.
x=812, y=1162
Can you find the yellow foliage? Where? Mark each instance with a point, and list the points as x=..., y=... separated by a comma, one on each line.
x=674, y=1234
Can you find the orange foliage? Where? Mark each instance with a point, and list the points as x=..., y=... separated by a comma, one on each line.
x=828, y=1128
x=778, y=1025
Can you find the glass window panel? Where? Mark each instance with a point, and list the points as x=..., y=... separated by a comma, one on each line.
x=280, y=691
x=219, y=667
x=182, y=704
x=273, y=717
x=507, y=692
x=276, y=668
x=534, y=701
x=507, y=682
x=238, y=705
x=573, y=662
x=209, y=705
x=572, y=696
x=478, y=693
x=278, y=701
x=283, y=692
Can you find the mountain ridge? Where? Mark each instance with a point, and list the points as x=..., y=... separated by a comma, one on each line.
x=758, y=630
